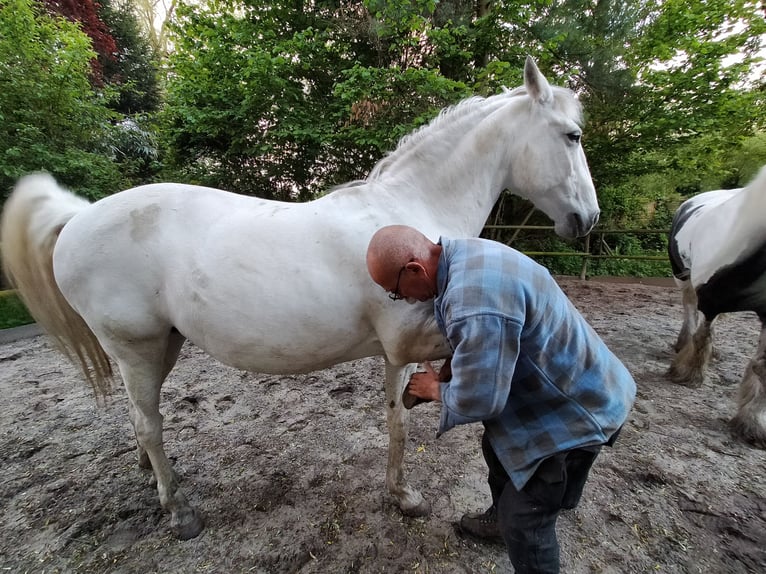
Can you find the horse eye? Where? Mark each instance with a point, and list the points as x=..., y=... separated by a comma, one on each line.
x=574, y=137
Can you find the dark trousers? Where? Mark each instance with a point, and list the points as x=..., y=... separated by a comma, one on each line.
x=527, y=517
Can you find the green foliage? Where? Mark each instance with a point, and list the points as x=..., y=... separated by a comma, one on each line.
x=379, y=106
x=13, y=313
x=285, y=101
x=692, y=67
x=312, y=94
x=671, y=93
x=633, y=254
x=133, y=71
x=249, y=100
x=132, y=145
x=744, y=161
x=50, y=117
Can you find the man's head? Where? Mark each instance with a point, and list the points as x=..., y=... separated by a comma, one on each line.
x=404, y=262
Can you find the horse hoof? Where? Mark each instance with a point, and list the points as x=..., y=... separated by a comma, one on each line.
x=423, y=508
x=743, y=429
x=684, y=378
x=187, y=525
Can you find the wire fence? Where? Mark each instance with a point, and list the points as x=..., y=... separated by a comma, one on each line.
x=594, y=238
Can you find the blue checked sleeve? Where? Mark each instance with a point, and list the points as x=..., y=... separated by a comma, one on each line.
x=486, y=348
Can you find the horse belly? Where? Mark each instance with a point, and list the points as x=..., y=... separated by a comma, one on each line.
x=283, y=346
x=740, y=286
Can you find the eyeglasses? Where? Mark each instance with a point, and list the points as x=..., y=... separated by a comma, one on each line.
x=395, y=295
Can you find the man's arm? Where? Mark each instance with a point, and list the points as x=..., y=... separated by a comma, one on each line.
x=486, y=348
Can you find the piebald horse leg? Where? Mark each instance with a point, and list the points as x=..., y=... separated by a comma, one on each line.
x=410, y=501
x=175, y=342
x=144, y=365
x=750, y=421
x=689, y=365
x=691, y=315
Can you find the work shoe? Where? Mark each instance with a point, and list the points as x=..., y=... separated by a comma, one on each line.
x=482, y=525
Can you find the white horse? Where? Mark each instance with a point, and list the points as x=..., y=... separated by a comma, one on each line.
x=717, y=250
x=278, y=287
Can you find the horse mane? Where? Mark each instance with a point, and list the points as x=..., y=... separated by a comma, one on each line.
x=461, y=111
x=448, y=116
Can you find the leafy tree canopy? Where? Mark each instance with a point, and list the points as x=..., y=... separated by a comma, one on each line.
x=50, y=117
x=284, y=100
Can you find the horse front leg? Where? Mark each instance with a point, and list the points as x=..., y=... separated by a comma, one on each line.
x=750, y=421
x=410, y=501
x=691, y=315
x=689, y=365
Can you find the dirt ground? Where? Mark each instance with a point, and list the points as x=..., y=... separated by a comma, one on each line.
x=289, y=471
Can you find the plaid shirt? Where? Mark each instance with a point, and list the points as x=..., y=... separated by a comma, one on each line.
x=525, y=362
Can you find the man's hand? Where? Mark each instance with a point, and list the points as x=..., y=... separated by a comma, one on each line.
x=425, y=385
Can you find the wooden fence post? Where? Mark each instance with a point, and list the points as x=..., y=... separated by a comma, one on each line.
x=585, y=257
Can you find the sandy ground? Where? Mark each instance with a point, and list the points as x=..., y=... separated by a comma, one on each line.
x=289, y=471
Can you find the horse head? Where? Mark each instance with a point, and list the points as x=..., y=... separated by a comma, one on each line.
x=550, y=168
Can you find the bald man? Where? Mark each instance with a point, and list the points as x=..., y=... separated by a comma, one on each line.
x=526, y=365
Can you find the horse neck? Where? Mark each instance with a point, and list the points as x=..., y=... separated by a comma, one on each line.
x=456, y=172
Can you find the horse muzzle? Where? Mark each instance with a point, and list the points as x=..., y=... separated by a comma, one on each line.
x=576, y=225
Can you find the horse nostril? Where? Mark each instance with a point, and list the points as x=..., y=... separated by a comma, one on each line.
x=582, y=227
x=577, y=224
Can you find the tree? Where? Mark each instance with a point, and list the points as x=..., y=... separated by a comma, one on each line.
x=133, y=71
x=153, y=16
x=285, y=101
x=86, y=13
x=669, y=89
x=50, y=117
x=126, y=64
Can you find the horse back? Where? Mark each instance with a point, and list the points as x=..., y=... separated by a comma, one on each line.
x=718, y=241
x=696, y=230
x=260, y=285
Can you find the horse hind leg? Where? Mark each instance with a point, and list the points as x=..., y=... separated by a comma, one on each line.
x=689, y=365
x=175, y=342
x=144, y=365
x=410, y=501
x=750, y=421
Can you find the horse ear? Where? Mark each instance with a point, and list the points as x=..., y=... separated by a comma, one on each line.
x=537, y=86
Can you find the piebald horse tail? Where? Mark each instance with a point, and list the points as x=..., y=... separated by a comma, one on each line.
x=34, y=215
x=757, y=190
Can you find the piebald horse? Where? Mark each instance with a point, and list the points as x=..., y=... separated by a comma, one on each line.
x=277, y=287
x=717, y=249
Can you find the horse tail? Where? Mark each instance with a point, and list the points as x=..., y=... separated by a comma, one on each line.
x=34, y=215
x=757, y=190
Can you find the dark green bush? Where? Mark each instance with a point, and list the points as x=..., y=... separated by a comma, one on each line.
x=13, y=313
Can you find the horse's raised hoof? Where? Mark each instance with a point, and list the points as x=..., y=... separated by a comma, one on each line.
x=744, y=430
x=187, y=525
